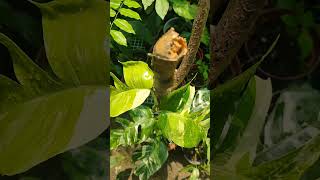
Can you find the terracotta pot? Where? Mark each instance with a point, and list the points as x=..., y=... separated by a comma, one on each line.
x=311, y=63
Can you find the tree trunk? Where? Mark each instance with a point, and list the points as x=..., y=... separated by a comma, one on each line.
x=168, y=73
x=231, y=32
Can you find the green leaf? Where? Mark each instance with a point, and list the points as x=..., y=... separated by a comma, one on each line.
x=305, y=42
x=131, y=4
x=239, y=157
x=46, y=116
x=133, y=132
x=149, y=159
x=129, y=13
x=112, y=13
x=290, y=20
x=201, y=100
x=205, y=37
x=185, y=9
x=147, y=3
x=162, y=7
x=139, y=78
x=144, y=116
x=291, y=166
x=286, y=4
x=240, y=81
x=126, y=136
x=207, y=141
x=34, y=80
x=137, y=74
x=195, y=174
x=54, y=117
x=124, y=25
x=229, y=94
x=142, y=112
x=250, y=137
x=118, y=37
x=178, y=100
x=123, y=101
x=76, y=60
x=307, y=20
x=180, y=129
x=237, y=118
x=115, y=4
x=117, y=83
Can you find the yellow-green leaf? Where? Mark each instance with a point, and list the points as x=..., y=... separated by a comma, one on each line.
x=123, y=101
x=73, y=59
x=162, y=7
x=147, y=3
x=137, y=74
x=129, y=13
x=124, y=25
x=131, y=4
x=42, y=116
x=115, y=4
x=118, y=37
x=180, y=129
x=112, y=13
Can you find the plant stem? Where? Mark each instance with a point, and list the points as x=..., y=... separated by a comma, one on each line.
x=156, y=103
x=194, y=42
x=231, y=32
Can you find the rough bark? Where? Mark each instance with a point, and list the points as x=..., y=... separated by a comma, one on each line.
x=167, y=53
x=168, y=73
x=194, y=43
x=231, y=32
x=164, y=70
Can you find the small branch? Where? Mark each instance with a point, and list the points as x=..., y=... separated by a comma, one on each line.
x=194, y=43
x=231, y=32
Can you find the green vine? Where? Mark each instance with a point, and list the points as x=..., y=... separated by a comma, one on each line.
x=116, y=9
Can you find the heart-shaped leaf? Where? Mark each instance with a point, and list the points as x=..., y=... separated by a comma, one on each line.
x=178, y=100
x=137, y=74
x=136, y=131
x=123, y=101
x=180, y=129
x=149, y=159
x=139, y=81
x=42, y=116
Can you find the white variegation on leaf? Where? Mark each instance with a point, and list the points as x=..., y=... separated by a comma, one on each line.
x=139, y=80
x=41, y=115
